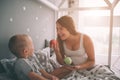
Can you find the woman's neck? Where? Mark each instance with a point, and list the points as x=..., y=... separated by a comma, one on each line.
x=72, y=38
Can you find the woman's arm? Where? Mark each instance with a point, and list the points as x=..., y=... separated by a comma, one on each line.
x=59, y=57
x=89, y=49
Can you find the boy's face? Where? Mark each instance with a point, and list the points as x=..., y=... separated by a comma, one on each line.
x=31, y=47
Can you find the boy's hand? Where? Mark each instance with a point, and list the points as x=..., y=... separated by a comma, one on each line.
x=54, y=78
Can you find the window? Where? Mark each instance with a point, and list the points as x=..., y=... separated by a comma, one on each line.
x=95, y=23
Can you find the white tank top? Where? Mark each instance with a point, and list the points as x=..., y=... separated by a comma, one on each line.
x=78, y=56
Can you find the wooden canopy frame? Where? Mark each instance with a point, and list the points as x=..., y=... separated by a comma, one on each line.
x=110, y=6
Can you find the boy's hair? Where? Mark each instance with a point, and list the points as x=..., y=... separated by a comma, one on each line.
x=17, y=42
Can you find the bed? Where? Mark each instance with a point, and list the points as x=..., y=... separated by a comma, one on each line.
x=48, y=60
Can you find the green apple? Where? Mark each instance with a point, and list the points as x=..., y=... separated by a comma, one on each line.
x=68, y=60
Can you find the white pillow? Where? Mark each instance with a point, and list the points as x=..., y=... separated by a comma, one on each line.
x=43, y=56
x=54, y=61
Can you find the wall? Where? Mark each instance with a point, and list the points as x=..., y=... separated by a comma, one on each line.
x=25, y=16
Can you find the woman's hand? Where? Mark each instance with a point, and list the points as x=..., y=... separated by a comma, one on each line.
x=56, y=48
x=76, y=67
x=54, y=45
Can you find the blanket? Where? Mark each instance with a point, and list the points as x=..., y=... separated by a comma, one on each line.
x=99, y=72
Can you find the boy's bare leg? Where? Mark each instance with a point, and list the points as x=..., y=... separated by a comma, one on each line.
x=34, y=76
x=49, y=76
x=61, y=72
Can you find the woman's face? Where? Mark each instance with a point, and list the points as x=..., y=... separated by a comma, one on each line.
x=62, y=32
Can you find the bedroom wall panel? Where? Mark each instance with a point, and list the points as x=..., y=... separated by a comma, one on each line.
x=25, y=16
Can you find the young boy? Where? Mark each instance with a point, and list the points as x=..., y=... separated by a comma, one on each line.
x=21, y=46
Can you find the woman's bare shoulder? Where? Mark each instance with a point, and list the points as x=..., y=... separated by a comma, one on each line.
x=86, y=37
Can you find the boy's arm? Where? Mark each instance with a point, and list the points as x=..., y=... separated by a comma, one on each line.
x=23, y=70
x=47, y=75
x=35, y=76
